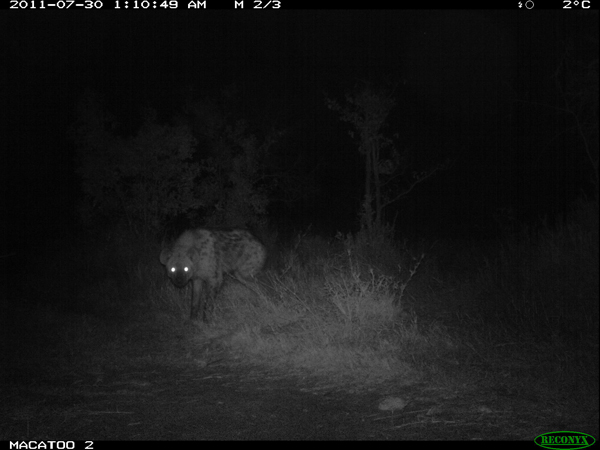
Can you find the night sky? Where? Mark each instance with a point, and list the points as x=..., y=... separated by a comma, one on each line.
x=476, y=88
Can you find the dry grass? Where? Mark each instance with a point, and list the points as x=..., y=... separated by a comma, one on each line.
x=360, y=310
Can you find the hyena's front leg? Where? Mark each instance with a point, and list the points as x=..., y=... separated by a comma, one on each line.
x=197, y=300
x=211, y=290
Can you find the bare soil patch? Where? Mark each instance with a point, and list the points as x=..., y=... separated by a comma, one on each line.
x=142, y=382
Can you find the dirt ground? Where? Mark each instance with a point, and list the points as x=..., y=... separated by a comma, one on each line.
x=144, y=385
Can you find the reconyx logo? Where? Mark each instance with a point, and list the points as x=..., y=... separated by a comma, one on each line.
x=564, y=439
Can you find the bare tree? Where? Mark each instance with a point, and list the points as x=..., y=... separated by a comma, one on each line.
x=577, y=82
x=367, y=110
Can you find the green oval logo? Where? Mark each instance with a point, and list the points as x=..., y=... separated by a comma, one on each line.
x=564, y=439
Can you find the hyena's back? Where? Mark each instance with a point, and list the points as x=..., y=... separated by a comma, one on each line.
x=236, y=251
x=241, y=253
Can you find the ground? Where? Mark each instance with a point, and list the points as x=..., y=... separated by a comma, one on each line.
x=138, y=382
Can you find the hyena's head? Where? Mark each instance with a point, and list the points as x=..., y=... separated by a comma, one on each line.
x=179, y=266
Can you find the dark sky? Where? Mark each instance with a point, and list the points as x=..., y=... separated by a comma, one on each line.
x=475, y=87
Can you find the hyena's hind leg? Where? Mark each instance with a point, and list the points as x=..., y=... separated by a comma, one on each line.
x=250, y=282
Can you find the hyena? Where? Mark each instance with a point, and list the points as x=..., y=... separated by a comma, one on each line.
x=203, y=256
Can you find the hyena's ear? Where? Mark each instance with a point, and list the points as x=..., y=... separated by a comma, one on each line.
x=164, y=256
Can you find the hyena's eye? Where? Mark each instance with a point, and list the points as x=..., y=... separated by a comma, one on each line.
x=186, y=269
x=173, y=269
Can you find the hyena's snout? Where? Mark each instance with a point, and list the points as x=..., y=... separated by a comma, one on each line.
x=180, y=278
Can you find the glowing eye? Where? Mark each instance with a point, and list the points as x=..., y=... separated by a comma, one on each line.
x=185, y=269
x=172, y=269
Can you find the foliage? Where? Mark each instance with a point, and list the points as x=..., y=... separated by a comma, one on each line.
x=232, y=178
x=238, y=175
x=143, y=178
x=162, y=173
